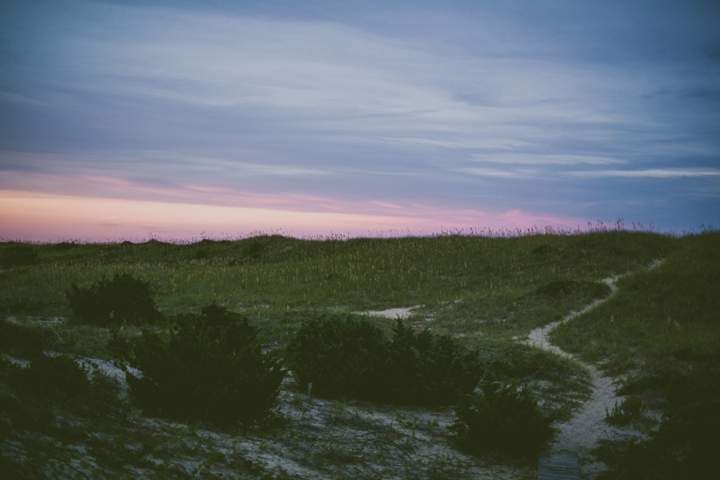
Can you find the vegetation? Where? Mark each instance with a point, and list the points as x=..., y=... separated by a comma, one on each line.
x=349, y=356
x=341, y=355
x=505, y=418
x=477, y=298
x=685, y=446
x=124, y=299
x=210, y=366
x=630, y=409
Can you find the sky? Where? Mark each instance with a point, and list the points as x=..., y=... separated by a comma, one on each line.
x=186, y=119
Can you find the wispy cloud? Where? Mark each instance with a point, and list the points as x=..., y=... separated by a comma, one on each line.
x=496, y=172
x=476, y=106
x=650, y=173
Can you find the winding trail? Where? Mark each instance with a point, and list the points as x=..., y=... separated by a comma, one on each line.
x=582, y=432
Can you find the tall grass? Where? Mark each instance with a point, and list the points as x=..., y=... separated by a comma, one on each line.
x=664, y=319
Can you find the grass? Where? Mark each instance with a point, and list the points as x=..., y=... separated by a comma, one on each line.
x=661, y=320
x=487, y=292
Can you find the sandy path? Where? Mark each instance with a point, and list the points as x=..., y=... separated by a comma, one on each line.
x=582, y=432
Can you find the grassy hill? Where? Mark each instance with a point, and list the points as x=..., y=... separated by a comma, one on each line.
x=487, y=292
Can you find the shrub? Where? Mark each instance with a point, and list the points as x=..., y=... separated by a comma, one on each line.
x=20, y=340
x=564, y=288
x=429, y=369
x=18, y=255
x=349, y=356
x=341, y=355
x=631, y=408
x=54, y=376
x=111, y=302
x=210, y=366
x=685, y=446
x=504, y=418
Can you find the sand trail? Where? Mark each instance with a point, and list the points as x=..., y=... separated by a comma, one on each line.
x=580, y=434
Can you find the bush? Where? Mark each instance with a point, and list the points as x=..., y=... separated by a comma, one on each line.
x=19, y=255
x=505, y=419
x=20, y=340
x=685, y=446
x=112, y=302
x=341, y=355
x=210, y=367
x=429, y=369
x=349, y=356
x=630, y=409
x=563, y=288
x=57, y=376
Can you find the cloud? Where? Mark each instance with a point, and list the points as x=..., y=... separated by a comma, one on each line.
x=650, y=173
x=51, y=217
x=471, y=106
x=495, y=172
x=543, y=159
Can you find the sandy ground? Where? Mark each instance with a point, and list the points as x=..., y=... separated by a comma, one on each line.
x=579, y=435
x=328, y=439
x=393, y=313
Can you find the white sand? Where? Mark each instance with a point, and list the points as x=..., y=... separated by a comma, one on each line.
x=401, y=312
x=582, y=432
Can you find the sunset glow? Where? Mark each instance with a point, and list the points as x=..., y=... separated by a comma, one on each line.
x=182, y=119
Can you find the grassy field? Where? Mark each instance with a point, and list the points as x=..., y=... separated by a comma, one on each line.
x=488, y=292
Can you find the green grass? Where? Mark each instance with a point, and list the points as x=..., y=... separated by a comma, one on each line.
x=494, y=278
x=662, y=320
x=488, y=292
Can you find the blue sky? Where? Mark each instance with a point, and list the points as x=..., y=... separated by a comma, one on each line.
x=355, y=117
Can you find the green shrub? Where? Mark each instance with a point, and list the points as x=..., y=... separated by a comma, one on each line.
x=20, y=340
x=564, y=288
x=429, y=369
x=630, y=409
x=112, y=302
x=32, y=397
x=341, y=355
x=349, y=356
x=54, y=376
x=19, y=255
x=505, y=419
x=210, y=366
x=685, y=446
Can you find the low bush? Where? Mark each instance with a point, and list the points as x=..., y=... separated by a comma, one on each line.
x=349, y=356
x=20, y=340
x=33, y=397
x=505, y=419
x=429, y=369
x=630, y=409
x=54, y=376
x=563, y=288
x=19, y=255
x=209, y=367
x=122, y=299
x=341, y=355
x=685, y=446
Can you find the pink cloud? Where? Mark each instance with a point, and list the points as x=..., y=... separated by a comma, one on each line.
x=52, y=217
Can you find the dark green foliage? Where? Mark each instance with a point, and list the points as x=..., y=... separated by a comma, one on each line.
x=341, y=355
x=560, y=288
x=679, y=389
x=210, y=366
x=18, y=255
x=54, y=376
x=20, y=340
x=686, y=446
x=349, y=356
x=630, y=409
x=112, y=302
x=505, y=419
x=32, y=396
x=428, y=369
